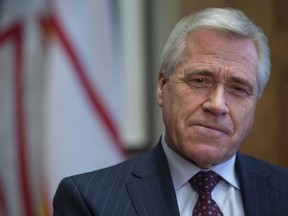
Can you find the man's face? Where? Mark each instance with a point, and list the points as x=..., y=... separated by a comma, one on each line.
x=209, y=102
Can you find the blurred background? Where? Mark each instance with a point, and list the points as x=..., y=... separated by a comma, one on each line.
x=77, y=88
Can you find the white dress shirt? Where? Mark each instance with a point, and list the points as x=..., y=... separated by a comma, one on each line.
x=226, y=193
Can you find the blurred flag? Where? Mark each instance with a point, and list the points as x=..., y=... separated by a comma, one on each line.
x=62, y=89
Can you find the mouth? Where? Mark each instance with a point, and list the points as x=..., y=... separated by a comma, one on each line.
x=206, y=128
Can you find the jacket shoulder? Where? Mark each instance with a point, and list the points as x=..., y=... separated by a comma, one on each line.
x=107, y=186
x=255, y=164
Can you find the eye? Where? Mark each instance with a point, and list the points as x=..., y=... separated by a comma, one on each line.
x=238, y=90
x=200, y=82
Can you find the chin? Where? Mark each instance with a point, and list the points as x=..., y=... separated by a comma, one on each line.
x=203, y=154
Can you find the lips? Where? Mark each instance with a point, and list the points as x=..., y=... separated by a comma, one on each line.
x=224, y=128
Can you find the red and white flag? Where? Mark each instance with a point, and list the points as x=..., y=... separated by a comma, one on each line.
x=62, y=87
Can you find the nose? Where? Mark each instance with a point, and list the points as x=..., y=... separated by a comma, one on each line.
x=216, y=101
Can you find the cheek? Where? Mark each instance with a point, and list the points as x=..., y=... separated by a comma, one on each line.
x=177, y=107
x=172, y=109
x=173, y=100
x=244, y=122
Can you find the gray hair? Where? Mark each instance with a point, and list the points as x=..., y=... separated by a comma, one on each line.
x=224, y=19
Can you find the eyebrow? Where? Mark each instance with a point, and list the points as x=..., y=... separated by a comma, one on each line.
x=198, y=72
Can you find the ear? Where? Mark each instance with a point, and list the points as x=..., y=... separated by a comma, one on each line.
x=161, y=81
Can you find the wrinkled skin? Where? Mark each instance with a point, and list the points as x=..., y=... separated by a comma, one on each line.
x=208, y=102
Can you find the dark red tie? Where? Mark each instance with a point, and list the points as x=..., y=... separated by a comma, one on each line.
x=204, y=182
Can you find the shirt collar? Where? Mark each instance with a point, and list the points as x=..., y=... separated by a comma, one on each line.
x=182, y=170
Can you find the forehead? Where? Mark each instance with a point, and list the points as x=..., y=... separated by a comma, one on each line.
x=217, y=51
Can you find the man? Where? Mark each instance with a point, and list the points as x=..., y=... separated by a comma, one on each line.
x=214, y=68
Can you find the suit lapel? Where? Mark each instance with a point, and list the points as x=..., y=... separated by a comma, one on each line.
x=150, y=186
x=259, y=192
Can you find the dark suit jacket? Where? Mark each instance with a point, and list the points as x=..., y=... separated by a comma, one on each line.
x=143, y=186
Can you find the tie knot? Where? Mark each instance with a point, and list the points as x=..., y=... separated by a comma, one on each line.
x=204, y=181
